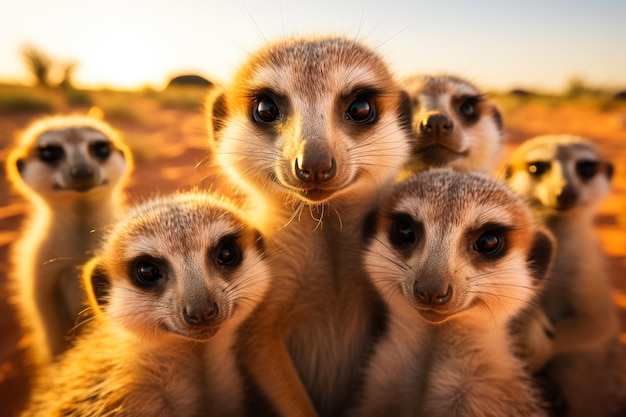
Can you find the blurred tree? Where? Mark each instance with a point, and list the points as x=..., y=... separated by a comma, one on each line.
x=38, y=63
x=67, y=80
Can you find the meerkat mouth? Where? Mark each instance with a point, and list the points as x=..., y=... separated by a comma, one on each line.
x=81, y=187
x=198, y=334
x=441, y=154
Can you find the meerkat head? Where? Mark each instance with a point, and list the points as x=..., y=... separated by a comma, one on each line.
x=457, y=245
x=178, y=266
x=560, y=175
x=454, y=123
x=313, y=118
x=60, y=155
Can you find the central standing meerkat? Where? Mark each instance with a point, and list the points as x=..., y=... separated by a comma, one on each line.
x=454, y=124
x=564, y=178
x=314, y=130
x=181, y=273
x=456, y=256
x=72, y=170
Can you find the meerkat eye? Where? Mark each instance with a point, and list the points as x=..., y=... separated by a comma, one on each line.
x=361, y=110
x=265, y=111
x=229, y=254
x=100, y=150
x=586, y=170
x=50, y=154
x=403, y=231
x=468, y=109
x=537, y=169
x=490, y=244
x=146, y=274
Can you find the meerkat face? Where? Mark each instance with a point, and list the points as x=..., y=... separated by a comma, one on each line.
x=180, y=266
x=560, y=174
x=61, y=155
x=314, y=118
x=457, y=245
x=454, y=124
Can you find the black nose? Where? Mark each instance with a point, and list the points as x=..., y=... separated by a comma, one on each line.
x=81, y=172
x=437, y=124
x=433, y=296
x=567, y=198
x=315, y=169
x=200, y=313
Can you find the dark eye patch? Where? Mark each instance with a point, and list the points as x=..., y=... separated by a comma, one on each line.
x=146, y=271
x=50, y=154
x=100, y=150
x=362, y=109
x=538, y=168
x=587, y=169
x=467, y=107
x=491, y=241
x=265, y=109
x=227, y=252
x=404, y=232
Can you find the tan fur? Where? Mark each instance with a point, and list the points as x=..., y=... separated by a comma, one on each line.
x=447, y=351
x=147, y=350
x=583, y=360
x=454, y=123
x=310, y=176
x=67, y=213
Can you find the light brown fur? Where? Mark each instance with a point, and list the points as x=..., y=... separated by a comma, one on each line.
x=456, y=257
x=454, y=124
x=162, y=346
x=72, y=170
x=564, y=178
x=315, y=171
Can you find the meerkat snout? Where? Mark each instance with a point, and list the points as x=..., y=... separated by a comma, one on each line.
x=314, y=164
x=434, y=126
x=200, y=312
x=431, y=295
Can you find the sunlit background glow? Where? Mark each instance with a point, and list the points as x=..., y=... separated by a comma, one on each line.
x=498, y=44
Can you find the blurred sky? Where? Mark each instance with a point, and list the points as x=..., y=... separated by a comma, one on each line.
x=499, y=44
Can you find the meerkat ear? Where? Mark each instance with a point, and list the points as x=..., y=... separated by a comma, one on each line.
x=19, y=164
x=216, y=111
x=96, y=284
x=609, y=170
x=541, y=255
x=508, y=172
x=369, y=226
x=405, y=111
x=497, y=116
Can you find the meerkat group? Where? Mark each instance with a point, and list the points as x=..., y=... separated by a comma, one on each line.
x=371, y=265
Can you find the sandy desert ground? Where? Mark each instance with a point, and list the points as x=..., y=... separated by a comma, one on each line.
x=168, y=137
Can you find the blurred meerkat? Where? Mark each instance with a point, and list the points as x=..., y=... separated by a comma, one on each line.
x=454, y=124
x=72, y=170
x=181, y=273
x=315, y=129
x=456, y=256
x=564, y=179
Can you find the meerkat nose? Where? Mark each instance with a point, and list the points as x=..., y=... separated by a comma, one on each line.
x=200, y=313
x=437, y=124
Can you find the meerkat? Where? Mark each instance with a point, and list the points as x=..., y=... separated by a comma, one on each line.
x=72, y=170
x=181, y=273
x=564, y=178
x=315, y=129
x=455, y=124
x=456, y=256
